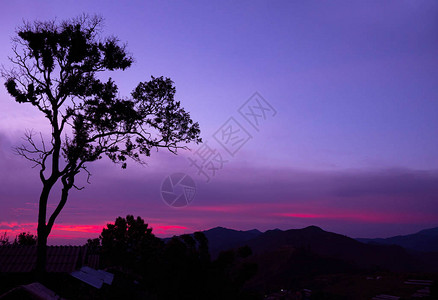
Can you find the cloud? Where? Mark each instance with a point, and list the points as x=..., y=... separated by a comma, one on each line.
x=240, y=196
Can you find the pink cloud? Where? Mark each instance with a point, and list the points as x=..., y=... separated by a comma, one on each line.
x=167, y=230
x=79, y=228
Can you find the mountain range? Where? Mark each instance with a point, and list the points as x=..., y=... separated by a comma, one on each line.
x=221, y=238
x=422, y=241
x=286, y=256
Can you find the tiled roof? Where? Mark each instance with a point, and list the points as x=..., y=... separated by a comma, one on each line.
x=60, y=259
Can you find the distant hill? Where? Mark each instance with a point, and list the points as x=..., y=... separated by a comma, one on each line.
x=423, y=241
x=220, y=238
x=286, y=257
x=325, y=248
x=315, y=240
x=335, y=246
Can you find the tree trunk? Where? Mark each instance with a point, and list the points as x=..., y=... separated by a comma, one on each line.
x=41, y=254
x=42, y=232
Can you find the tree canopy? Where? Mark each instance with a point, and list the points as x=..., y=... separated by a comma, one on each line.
x=22, y=239
x=56, y=71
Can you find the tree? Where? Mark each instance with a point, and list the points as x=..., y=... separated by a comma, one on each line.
x=93, y=245
x=128, y=242
x=25, y=239
x=55, y=69
x=4, y=239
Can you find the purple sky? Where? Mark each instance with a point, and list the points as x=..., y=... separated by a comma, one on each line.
x=353, y=147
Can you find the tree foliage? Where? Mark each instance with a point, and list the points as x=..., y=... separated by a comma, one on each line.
x=128, y=241
x=22, y=239
x=56, y=72
x=25, y=239
x=4, y=239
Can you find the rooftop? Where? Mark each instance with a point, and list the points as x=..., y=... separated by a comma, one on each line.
x=60, y=259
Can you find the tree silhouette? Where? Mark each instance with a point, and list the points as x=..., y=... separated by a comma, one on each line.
x=4, y=239
x=128, y=241
x=25, y=239
x=56, y=68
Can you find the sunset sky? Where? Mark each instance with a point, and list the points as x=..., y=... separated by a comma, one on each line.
x=350, y=143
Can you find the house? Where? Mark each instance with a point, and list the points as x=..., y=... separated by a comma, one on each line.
x=72, y=272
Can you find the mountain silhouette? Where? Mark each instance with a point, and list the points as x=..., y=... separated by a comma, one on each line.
x=423, y=241
x=284, y=257
x=287, y=258
x=321, y=250
x=220, y=238
x=335, y=246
